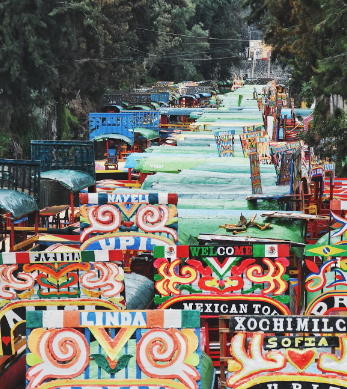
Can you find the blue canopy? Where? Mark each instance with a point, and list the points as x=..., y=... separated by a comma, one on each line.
x=133, y=159
x=286, y=111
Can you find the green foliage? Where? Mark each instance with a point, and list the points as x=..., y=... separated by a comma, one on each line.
x=102, y=362
x=66, y=122
x=306, y=93
x=5, y=144
x=187, y=38
x=53, y=51
x=310, y=37
x=328, y=135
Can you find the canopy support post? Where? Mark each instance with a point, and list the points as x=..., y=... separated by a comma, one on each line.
x=129, y=175
x=72, y=209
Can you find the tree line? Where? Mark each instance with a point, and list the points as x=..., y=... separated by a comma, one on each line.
x=58, y=57
x=310, y=36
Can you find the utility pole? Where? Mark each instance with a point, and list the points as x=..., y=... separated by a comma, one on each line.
x=253, y=67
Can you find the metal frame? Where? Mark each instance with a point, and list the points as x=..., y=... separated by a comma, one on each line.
x=121, y=123
x=62, y=155
x=21, y=175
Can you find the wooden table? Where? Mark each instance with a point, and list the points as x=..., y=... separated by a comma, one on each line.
x=54, y=213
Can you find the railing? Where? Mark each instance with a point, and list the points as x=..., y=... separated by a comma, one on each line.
x=61, y=155
x=112, y=99
x=160, y=96
x=121, y=123
x=164, y=96
x=155, y=97
x=132, y=97
x=21, y=175
x=137, y=98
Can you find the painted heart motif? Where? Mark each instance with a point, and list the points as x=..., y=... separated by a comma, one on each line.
x=6, y=340
x=301, y=359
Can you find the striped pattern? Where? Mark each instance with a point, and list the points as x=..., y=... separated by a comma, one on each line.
x=338, y=205
x=52, y=257
x=271, y=250
x=144, y=319
x=339, y=191
x=171, y=252
x=131, y=198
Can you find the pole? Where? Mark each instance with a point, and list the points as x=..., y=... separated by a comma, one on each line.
x=72, y=208
x=329, y=228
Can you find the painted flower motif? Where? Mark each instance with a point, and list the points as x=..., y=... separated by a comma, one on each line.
x=213, y=284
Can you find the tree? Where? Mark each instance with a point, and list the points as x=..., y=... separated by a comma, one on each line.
x=223, y=20
x=55, y=50
x=188, y=39
x=310, y=37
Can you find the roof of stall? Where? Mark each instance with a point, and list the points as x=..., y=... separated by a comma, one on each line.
x=147, y=132
x=175, y=164
x=209, y=192
x=181, y=150
x=187, y=96
x=133, y=158
x=140, y=107
x=204, y=94
x=179, y=111
x=155, y=104
x=233, y=191
x=70, y=179
x=17, y=203
x=207, y=178
x=139, y=291
x=223, y=168
x=114, y=136
x=194, y=222
x=217, y=203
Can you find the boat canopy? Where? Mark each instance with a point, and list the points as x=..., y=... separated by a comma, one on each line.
x=175, y=164
x=286, y=112
x=194, y=221
x=70, y=179
x=203, y=94
x=139, y=291
x=195, y=115
x=140, y=107
x=181, y=150
x=179, y=111
x=114, y=136
x=109, y=106
x=147, y=132
x=17, y=203
x=155, y=104
x=206, y=178
x=187, y=97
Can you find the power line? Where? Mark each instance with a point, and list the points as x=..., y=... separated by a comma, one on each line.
x=205, y=59
x=192, y=36
x=174, y=55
